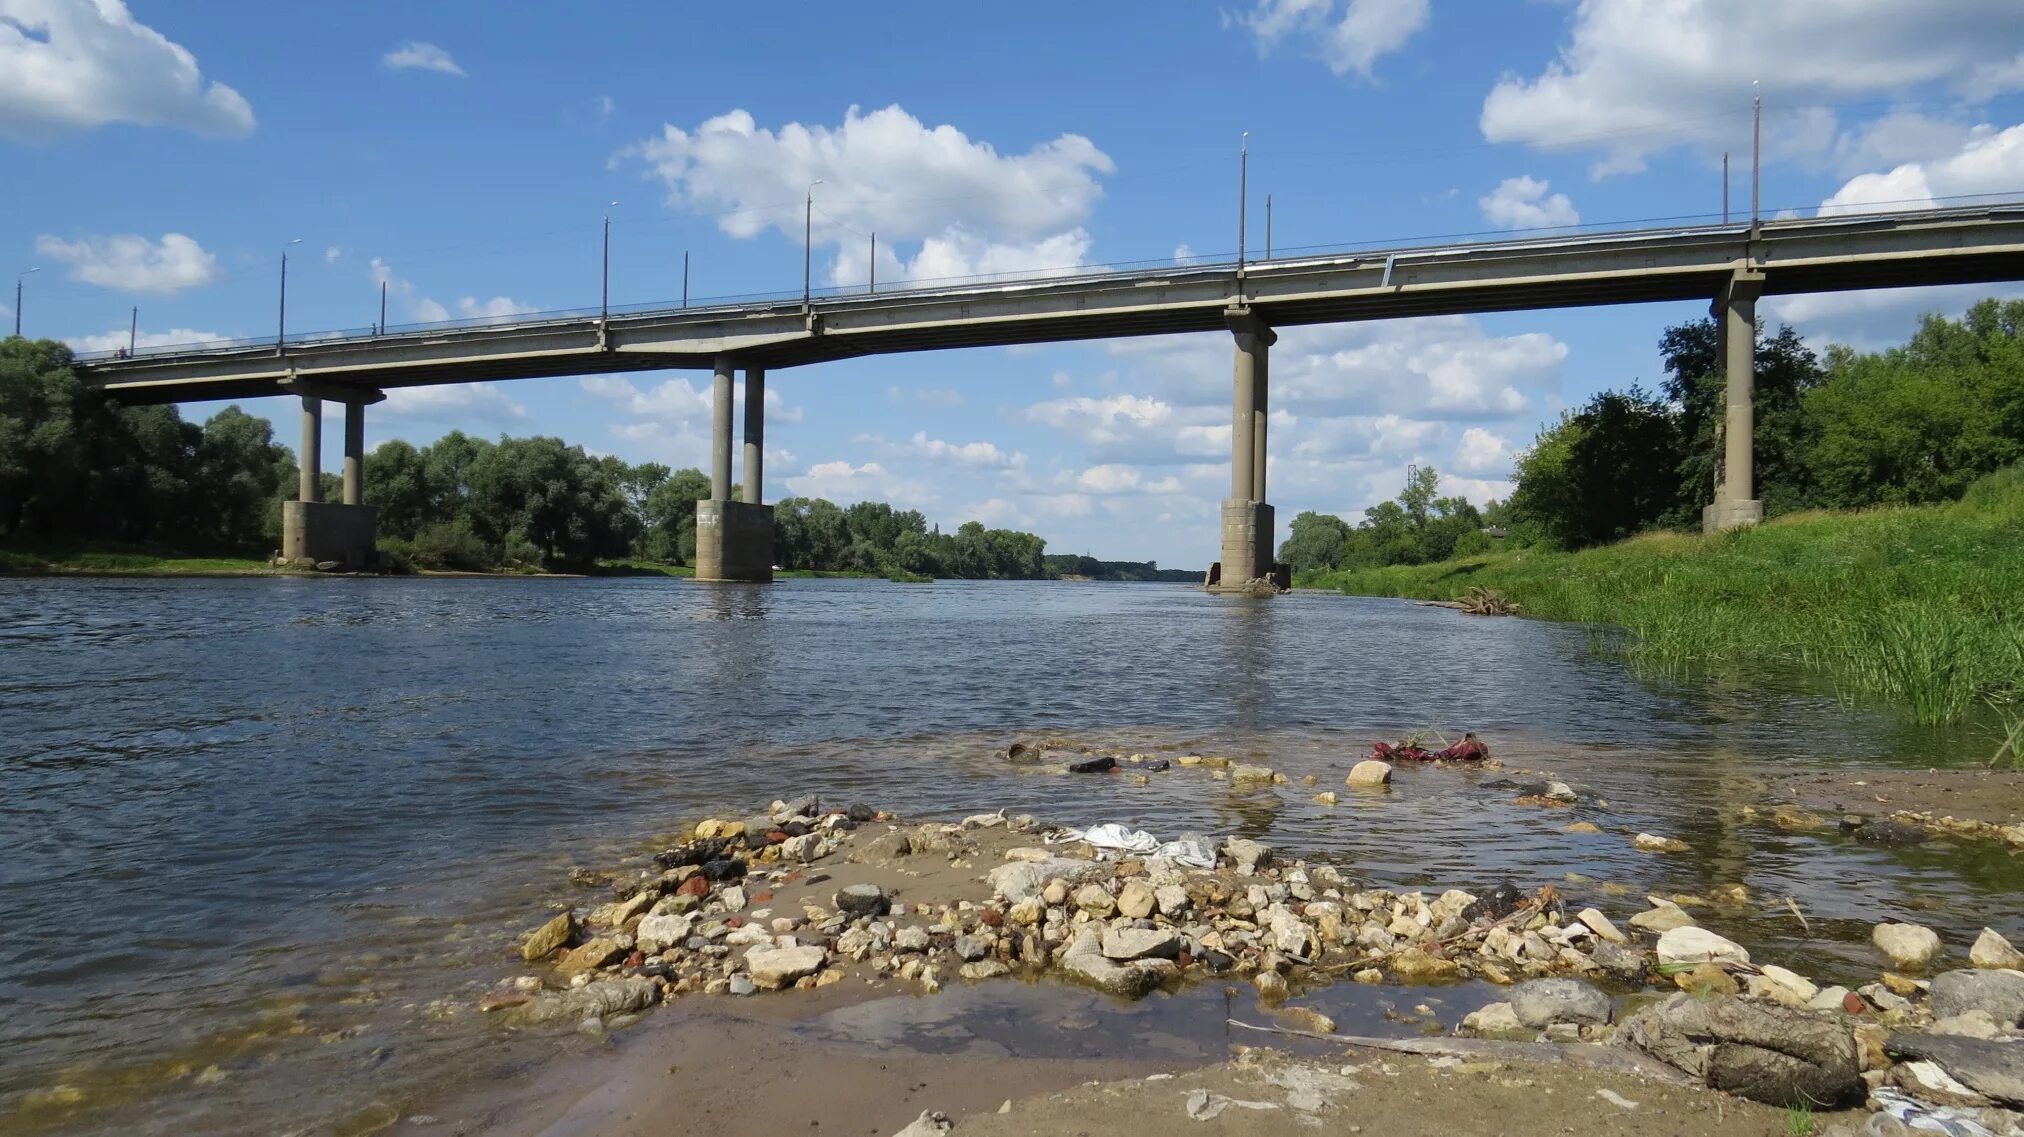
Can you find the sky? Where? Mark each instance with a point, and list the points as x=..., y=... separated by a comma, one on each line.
x=161, y=155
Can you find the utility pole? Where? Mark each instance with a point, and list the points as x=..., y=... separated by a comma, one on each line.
x=685, y=278
x=874, y=261
x=1243, y=188
x=21, y=276
x=383, y=308
x=1268, y=226
x=134, y=332
x=1725, y=187
x=1756, y=157
x=281, y=324
x=604, y=301
x=807, y=243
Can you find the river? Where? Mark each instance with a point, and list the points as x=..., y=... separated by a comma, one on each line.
x=266, y=837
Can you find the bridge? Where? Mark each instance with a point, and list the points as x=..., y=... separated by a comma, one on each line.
x=1730, y=265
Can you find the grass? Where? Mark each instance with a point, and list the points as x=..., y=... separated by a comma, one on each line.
x=127, y=560
x=1799, y=1120
x=1914, y=607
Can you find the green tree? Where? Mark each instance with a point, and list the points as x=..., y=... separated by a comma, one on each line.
x=1608, y=471
x=1786, y=371
x=1315, y=541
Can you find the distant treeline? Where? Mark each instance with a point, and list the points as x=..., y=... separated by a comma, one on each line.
x=1089, y=568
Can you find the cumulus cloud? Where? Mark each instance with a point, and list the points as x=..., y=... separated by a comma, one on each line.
x=1481, y=451
x=679, y=399
x=1350, y=38
x=459, y=402
x=979, y=454
x=497, y=308
x=132, y=263
x=1523, y=203
x=942, y=204
x=70, y=65
x=1640, y=76
x=1990, y=160
x=841, y=482
x=415, y=55
x=117, y=338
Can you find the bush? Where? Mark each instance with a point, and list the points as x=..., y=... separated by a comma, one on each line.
x=451, y=545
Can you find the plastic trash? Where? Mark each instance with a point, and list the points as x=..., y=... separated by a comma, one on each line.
x=1190, y=849
x=1922, y=1118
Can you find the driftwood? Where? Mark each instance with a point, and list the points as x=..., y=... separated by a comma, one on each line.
x=1478, y=601
x=1581, y=1055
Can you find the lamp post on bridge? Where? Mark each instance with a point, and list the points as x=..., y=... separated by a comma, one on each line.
x=19, y=277
x=604, y=304
x=808, y=243
x=281, y=324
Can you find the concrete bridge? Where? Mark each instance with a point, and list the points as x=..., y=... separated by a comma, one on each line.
x=1730, y=265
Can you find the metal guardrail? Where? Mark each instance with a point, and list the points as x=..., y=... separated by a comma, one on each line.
x=1113, y=272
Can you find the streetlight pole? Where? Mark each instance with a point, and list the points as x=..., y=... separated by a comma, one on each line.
x=685, y=278
x=281, y=323
x=134, y=332
x=604, y=304
x=383, y=308
x=808, y=243
x=1268, y=226
x=1243, y=190
x=1756, y=155
x=874, y=263
x=19, y=277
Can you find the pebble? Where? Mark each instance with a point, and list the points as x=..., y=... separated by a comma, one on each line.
x=1652, y=843
x=1096, y=900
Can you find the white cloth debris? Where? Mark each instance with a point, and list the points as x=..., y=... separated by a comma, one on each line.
x=1616, y=1099
x=1924, y=1118
x=1110, y=839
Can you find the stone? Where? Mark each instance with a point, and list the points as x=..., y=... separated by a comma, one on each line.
x=733, y=898
x=1083, y=961
x=802, y=849
x=1021, y=879
x=972, y=948
x=600, y=997
x=774, y=968
x=1417, y=966
x=1305, y=1018
x=1370, y=772
x=658, y=933
x=1707, y=979
x=1991, y=950
x=2001, y=993
x=741, y=984
x=1663, y=916
x=1539, y=1002
x=1136, y=900
x=1619, y=963
x=1493, y=1019
x=1652, y=843
x=592, y=954
x=1270, y=984
x=1096, y=900
x=1967, y=1024
x=1172, y=900
x=911, y=938
x=1759, y=1051
x=1583, y=827
x=1248, y=855
x=861, y=900
x=1128, y=944
x=1247, y=773
x=1599, y=924
x=1993, y=1069
x=1691, y=945
x=983, y=969
x=1907, y=946
x=1782, y=986
x=1027, y=913
x=1795, y=818
x=1325, y=797
x=544, y=940
x=931, y=1123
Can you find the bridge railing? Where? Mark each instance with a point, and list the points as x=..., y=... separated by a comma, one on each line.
x=1450, y=244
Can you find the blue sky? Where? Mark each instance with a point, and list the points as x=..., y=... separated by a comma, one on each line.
x=160, y=154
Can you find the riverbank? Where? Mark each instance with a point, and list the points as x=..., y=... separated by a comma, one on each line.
x=129, y=561
x=1912, y=607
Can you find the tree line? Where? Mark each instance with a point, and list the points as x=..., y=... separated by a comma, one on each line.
x=1418, y=528
x=79, y=468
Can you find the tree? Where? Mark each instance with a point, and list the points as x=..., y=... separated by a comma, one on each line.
x=1608, y=471
x=1786, y=370
x=397, y=485
x=668, y=516
x=1314, y=542
x=239, y=470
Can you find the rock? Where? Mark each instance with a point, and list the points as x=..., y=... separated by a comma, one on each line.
x=1652, y=843
x=600, y=997
x=1560, y=791
x=1834, y=999
x=774, y=968
x=1083, y=960
x=861, y=900
x=1891, y=833
x=1930, y=1083
x=1128, y=944
x=1908, y=946
x=1417, y=966
x=1793, y=817
x=1600, y=925
x=1271, y=985
x=1493, y=1019
x=1968, y=1024
x=658, y=933
x=1782, y=986
x=1305, y=1018
x=1172, y=900
x=884, y=847
x=1136, y=900
x=741, y=984
x=1993, y=951
x=1247, y=855
x=1992, y=1069
x=1021, y=879
x=1766, y=1053
x=802, y=849
x=1707, y=979
x=1096, y=900
x=544, y=940
x=931, y=1123
x=1619, y=963
x=1583, y=827
x=1370, y=772
x=1542, y=1001
x=2001, y=993
x=1692, y=945
x=983, y=969
x=1663, y=916
x=1325, y=797
x=733, y=898
x=1248, y=773
x=592, y=954
x=970, y=949
x=911, y=938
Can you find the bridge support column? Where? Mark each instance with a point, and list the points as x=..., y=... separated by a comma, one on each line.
x=1247, y=520
x=1735, y=310
x=734, y=537
x=316, y=532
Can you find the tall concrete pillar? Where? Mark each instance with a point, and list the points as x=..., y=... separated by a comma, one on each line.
x=354, y=454
x=755, y=435
x=1247, y=519
x=720, y=431
x=309, y=486
x=1735, y=311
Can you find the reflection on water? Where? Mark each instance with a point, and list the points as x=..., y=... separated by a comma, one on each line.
x=270, y=836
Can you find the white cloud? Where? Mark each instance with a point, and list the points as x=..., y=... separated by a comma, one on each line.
x=1481, y=451
x=1351, y=42
x=1641, y=76
x=1989, y=160
x=459, y=402
x=117, y=338
x=844, y=483
x=1183, y=254
x=980, y=454
x=332, y=254
x=427, y=311
x=132, y=263
x=1523, y=203
x=963, y=208
x=497, y=308
x=69, y=65
x=417, y=56
x=679, y=399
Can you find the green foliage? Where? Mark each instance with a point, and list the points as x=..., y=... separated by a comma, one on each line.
x=1089, y=568
x=1602, y=473
x=1911, y=607
x=1417, y=528
x=872, y=538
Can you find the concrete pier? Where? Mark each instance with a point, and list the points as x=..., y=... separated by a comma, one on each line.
x=314, y=531
x=734, y=536
x=1247, y=544
x=1735, y=311
x=309, y=459
x=354, y=454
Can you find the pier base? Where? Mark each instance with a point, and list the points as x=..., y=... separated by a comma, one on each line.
x=734, y=541
x=313, y=532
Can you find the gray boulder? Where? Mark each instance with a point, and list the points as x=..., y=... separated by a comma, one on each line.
x=2001, y=993
x=861, y=900
x=1990, y=1068
x=1764, y=1052
x=1017, y=880
x=1083, y=960
x=1542, y=1002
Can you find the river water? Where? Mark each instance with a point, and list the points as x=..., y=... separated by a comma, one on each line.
x=266, y=838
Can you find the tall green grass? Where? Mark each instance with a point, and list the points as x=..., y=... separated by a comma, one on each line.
x=1919, y=607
